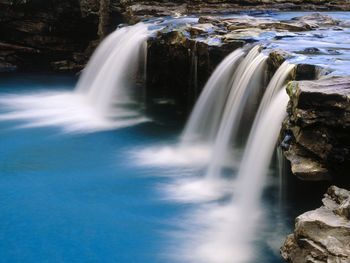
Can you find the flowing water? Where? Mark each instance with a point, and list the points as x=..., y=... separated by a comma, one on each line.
x=103, y=97
x=113, y=187
x=248, y=79
x=205, y=117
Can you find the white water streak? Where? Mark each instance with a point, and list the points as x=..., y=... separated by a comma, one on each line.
x=224, y=232
x=259, y=150
x=106, y=81
x=247, y=79
x=107, y=78
x=206, y=115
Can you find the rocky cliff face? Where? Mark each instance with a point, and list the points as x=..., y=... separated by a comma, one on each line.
x=316, y=140
x=179, y=64
x=322, y=235
x=38, y=34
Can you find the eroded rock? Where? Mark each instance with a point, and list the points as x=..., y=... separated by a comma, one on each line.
x=322, y=235
x=180, y=62
x=319, y=124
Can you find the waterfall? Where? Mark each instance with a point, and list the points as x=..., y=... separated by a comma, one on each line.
x=102, y=99
x=206, y=115
x=247, y=79
x=257, y=156
x=224, y=229
x=277, y=82
x=106, y=80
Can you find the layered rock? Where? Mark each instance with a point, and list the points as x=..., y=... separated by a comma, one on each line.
x=181, y=60
x=61, y=34
x=133, y=10
x=316, y=140
x=43, y=31
x=322, y=235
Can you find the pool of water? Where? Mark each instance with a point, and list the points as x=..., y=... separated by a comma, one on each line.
x=84, y=197
x=77, y=198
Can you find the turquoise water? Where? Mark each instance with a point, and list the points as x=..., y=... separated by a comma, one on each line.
x=74, y=195
x=82, y=197
x=77, y=198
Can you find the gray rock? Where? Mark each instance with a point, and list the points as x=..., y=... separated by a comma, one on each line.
x=317, y=20
x=322, y=235
x=319, y=124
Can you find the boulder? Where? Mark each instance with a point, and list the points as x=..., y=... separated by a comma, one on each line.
x=317, y=128
x=322, y=235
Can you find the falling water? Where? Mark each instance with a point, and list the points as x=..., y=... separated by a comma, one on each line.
x=106, y=79
x=203, y=122
x=248, y=78
x=259, y=150
x=277, y=82
x=261, y=145
x=102, y=96
x=223, y=232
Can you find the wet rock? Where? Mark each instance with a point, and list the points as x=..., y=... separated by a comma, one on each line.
x=311, y=50
x=322, y=235
x=180, y=62
x=199, y=29
x=46, y=31
x=317, y=20
x=266, y=24
x=134, y=10
x=275, y=60
x=304, y=165
x=244, y=33
x=58, y=29
x=306, y=71
x=319, y=122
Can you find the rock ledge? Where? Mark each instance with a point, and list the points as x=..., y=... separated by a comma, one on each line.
x=322, y=235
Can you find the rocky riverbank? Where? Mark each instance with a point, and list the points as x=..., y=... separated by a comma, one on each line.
x=133, y=11
x=61, y=35
x=322, y=235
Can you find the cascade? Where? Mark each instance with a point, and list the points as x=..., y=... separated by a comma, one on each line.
x=247, y=79
x=259, y=150
x=277, y=82
x=102, y=97
x=205, y=117
x=106, y=79
x=231, y=240
x=261, y=145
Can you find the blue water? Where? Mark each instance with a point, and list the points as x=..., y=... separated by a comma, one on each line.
x=77, y=198
x=83, y=198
